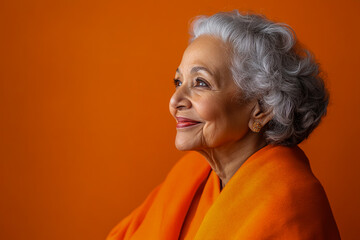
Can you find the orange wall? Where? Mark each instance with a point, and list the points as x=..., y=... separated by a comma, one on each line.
x=85, y=132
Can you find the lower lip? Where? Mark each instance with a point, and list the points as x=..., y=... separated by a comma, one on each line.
x=186, y=124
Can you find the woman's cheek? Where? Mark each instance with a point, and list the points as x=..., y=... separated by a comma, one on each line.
x=209, y=109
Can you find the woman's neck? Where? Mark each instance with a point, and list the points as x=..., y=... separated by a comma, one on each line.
x=227, y=159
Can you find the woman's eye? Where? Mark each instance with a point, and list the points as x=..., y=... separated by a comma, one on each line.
x=177, y=82
x=201, y=83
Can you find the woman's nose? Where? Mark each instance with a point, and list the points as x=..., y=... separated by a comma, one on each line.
x=180, y=99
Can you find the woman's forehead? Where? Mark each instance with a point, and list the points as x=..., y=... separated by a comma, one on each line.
x=207, y=52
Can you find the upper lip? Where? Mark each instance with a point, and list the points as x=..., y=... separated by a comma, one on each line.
x=182, y=119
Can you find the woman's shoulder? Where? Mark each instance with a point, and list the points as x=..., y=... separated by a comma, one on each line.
x=280, y=162
x=275, y=192
x=280, y=176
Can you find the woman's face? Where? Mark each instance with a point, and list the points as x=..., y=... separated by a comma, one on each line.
x=206, y=100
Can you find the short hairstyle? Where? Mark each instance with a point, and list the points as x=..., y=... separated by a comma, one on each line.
x=269, y=64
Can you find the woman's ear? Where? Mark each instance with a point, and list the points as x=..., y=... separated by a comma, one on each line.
x=259, y=117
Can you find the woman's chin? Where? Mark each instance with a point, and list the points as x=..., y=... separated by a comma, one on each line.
x=184, y=144
x=182, y=147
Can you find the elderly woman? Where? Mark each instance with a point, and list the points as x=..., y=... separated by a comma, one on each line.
x=246, y=95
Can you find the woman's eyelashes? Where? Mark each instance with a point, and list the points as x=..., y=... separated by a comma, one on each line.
x=177, y=82
x=198, y=83
x=201, y=83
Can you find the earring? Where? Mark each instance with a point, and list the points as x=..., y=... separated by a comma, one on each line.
x=256, y=127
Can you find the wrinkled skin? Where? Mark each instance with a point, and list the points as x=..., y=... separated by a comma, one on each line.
x=223, y=134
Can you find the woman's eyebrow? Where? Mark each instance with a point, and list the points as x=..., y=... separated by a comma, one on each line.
x=196, y=69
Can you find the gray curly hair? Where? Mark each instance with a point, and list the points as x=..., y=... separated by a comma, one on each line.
x=269, y=64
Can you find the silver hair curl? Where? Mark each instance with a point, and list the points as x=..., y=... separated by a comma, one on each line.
x=269, y=64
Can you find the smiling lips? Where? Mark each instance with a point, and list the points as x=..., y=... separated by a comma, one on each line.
x=185, y=122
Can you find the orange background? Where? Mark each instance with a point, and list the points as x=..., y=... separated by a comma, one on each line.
x=85, y=132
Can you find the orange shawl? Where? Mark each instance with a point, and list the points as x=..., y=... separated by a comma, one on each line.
x=273, y=195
